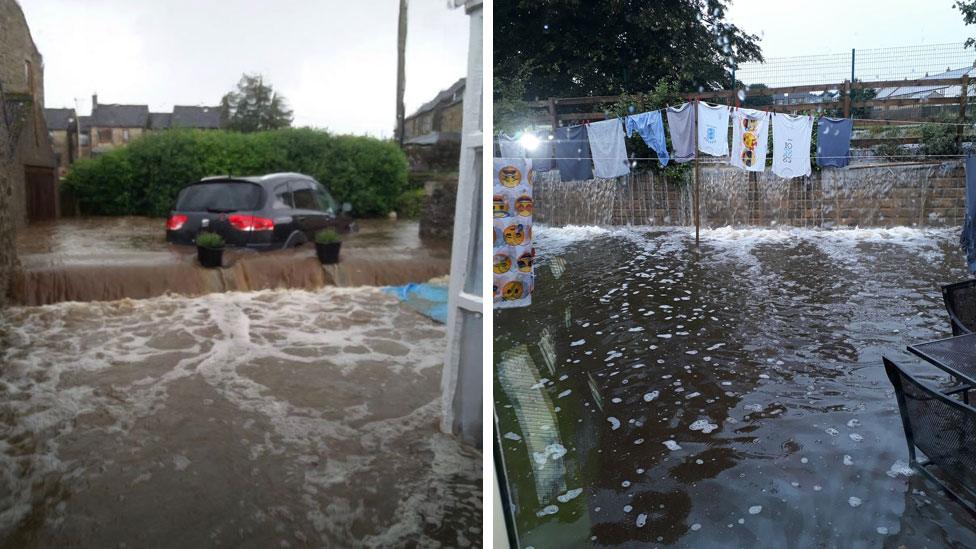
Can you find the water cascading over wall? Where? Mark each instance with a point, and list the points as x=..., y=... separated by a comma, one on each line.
x=867, y=195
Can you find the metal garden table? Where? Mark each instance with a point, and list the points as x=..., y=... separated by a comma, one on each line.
x=955, y=355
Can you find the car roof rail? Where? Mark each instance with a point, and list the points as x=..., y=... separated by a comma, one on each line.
x=210, y=177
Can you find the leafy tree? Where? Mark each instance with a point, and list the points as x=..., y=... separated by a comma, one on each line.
x=613, y=47
x=968, y=10
x=254, y=107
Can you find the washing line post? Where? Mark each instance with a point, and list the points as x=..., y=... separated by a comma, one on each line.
x=695, y=189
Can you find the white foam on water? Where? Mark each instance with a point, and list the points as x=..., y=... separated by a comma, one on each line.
x=755, y=509
x=672, y=445
x=614, y=423
x=569, y=495
x=703, y=425
x=900, y=468
x=854, y=501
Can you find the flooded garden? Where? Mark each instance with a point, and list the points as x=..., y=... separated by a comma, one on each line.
x=659, y=393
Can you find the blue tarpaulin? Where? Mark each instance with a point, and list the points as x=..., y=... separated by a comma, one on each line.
x=429, y=300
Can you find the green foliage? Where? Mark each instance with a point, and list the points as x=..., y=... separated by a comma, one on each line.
x=939, y=139
x=968, y=10
x=411, y=203
x=664, y=94
x=757, y=96
x=210, y=240
x=145, y=177
x=254, y=107
x=327, y=236
x=569, y=48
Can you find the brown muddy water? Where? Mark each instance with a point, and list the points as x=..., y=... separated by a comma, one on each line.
x=655, y=394
x=109, y=258
x=280, y=418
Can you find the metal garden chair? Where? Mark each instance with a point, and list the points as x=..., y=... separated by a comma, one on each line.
x=960, y=302
x=942, y=428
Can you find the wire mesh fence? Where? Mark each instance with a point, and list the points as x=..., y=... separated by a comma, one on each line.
x=896, y=63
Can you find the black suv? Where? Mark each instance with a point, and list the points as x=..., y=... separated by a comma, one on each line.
x=278, y=210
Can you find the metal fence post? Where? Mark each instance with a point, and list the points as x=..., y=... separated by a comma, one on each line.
x=852, y=64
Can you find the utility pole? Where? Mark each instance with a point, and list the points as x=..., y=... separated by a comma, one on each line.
x=401, y=77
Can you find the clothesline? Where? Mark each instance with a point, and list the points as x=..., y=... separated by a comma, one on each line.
x=724, y=159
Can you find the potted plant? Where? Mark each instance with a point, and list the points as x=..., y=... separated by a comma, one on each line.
x=327, y=243
x=210, y=249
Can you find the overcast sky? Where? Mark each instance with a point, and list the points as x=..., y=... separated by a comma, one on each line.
x=334, y=60
x=836, y=26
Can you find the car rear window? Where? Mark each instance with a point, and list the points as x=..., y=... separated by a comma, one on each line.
x=225, y=195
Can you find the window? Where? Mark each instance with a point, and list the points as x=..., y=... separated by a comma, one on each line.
x=302, y=195
x=105, y=135
x=324, y=200
x=282, y=197
x=226, y=196
x=85, y=139
x=125, y=136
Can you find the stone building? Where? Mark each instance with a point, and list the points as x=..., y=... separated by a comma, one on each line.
x=62, y=127
x=438, y=120
x=32, y=184
x=111, y=126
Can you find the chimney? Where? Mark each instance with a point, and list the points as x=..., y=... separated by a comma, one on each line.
x=94, y=101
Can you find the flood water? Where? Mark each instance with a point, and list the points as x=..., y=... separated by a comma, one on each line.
x=655, y=394
x=240, y=419
x=109, y=258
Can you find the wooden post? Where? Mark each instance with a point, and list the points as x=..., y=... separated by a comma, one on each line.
x=553, y=117
x=963, y=99
x=847, y=99
x=695, y=189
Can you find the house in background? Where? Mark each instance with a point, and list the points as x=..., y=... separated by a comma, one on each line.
x=62, y=127
x=438, y=120
x=111, y=126
x=28, y=184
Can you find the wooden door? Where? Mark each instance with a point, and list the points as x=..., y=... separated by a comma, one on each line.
x=42, y=193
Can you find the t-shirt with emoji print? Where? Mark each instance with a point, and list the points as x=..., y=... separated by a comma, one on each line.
x=750, y=139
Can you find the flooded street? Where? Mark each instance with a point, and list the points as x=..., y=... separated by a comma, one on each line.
x=655, y=394
x=109, y=258
x=258, y=419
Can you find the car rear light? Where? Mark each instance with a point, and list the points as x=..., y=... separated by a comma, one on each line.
x=250, y=223
x=175, y=222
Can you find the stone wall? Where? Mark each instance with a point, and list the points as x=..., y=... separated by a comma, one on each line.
x=8, y=248
x=875, y=195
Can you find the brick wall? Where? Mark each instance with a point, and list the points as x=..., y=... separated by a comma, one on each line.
x=879, y=195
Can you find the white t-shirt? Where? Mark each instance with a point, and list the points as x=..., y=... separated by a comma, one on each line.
x=750, y=134
x=713, y=129
x=791, y=145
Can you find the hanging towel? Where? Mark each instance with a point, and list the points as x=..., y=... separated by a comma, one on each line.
x=573, y=158
x=509, y=146
x=968, y=237
x=512, y=250
x=791, y=145
x=608, y=148
x=713, y=129
x=834, y=142
x=681, y=125
x=650, y=126
x=750, y=139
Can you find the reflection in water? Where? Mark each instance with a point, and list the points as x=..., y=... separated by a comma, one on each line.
x=726, y=396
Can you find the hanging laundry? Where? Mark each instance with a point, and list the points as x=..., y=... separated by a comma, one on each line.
x=968, y=237
x=608, y=148
x=541, y=155
x=750, y=139
x=834, y=141
x=509, y=146
x=650, y=126
x=512, y=252
x=791, y=145
x=713, y=129
x=681, y=125
x=573, y=154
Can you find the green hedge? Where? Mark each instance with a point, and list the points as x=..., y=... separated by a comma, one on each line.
x=144, y=177
x=411, y=203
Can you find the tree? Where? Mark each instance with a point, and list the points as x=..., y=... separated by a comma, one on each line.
x=611, y=47
x=254, y=107
x=968, y=10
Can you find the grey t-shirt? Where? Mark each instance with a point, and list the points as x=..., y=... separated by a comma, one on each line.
x=681, y=126
x=573, y=154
